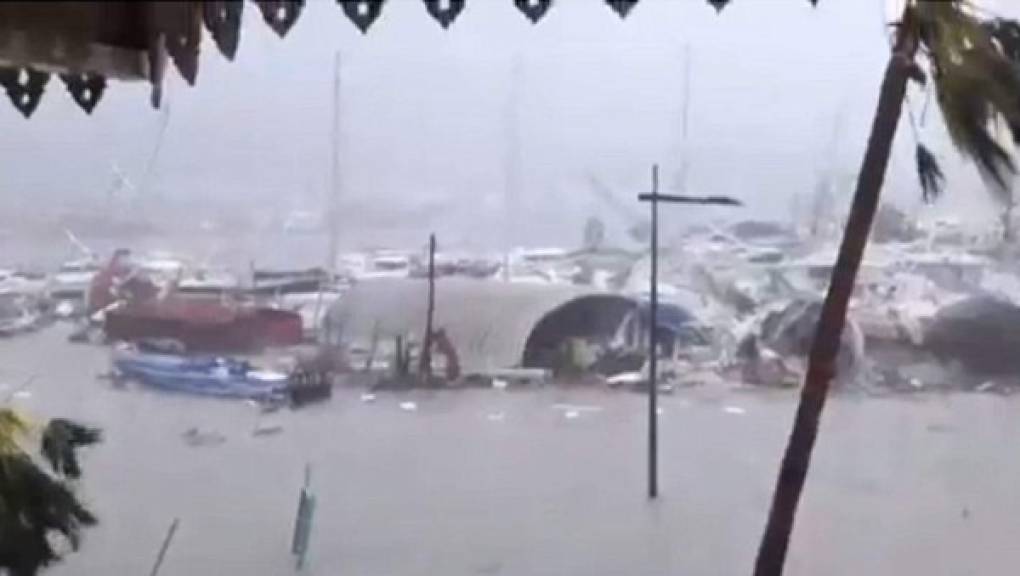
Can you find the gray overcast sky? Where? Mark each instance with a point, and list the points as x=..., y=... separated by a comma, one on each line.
x=425, y=111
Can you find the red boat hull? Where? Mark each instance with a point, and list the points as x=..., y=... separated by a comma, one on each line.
x=205, y=326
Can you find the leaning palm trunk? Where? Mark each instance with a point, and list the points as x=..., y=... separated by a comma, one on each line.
x=824, y=350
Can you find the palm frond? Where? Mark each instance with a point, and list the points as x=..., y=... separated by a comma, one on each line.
x=12, y=428
x=61, y=439
x=34, y=506
x=930, y=174
x=977, y=84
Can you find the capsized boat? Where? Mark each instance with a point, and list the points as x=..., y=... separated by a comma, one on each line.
x=205, y=376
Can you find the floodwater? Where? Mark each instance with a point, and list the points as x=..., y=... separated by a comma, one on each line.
x=513, y=482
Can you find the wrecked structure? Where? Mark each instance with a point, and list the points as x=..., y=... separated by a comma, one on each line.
x=492, y=325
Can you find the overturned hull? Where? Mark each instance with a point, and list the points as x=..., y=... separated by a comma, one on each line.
x=205, y=325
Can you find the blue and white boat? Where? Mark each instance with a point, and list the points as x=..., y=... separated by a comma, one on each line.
x=205, y=376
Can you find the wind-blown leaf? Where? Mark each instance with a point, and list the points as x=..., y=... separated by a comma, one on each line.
x=930, y=174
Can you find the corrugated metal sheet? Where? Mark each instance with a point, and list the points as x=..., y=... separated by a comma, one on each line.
x=487, y=321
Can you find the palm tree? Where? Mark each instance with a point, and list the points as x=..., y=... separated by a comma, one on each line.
x=974, y=63
x=38, y=506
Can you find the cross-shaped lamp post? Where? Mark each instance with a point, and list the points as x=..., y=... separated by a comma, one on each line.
x=653, y=199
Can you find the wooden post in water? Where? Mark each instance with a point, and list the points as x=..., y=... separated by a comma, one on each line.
x=425, y=369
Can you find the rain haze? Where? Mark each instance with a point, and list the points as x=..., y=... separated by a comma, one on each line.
x=492, y=113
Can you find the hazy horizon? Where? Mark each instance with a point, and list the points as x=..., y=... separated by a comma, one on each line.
x=779, y=93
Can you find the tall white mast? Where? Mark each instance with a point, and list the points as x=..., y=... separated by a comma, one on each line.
x=334, y=193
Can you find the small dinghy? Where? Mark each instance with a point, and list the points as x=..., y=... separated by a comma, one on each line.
x=205, y=376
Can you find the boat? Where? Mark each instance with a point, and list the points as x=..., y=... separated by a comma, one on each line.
x=204, y=324
x=204, y=376
x=18, y=313
x=21, y=282
x=73, y=278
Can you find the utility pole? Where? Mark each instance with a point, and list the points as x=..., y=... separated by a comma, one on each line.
x=653, y=199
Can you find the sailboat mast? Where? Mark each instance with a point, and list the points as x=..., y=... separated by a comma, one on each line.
x=334, y=194
x=685, y=119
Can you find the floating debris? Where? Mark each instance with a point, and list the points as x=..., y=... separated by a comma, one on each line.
x=735, y=410
x=495, y=416
x=271, y=430
x=408, y=406
x=577, y=408
x=196, y=438
x=368, y=397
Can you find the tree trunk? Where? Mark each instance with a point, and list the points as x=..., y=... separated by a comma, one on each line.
x=825, y=348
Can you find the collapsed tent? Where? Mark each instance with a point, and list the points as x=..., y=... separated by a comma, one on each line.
x=980, y=333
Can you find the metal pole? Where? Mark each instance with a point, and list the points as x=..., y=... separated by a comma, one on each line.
x=653, y=314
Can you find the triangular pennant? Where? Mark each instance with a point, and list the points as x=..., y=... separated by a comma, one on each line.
x=622, y=7
x=182, y=32
x=86, y=89
x=362, y=12
x=444, y=11
x=223, y=20
x=533, y=9
x=718, y=4
x=280, y=15
x=24, y=86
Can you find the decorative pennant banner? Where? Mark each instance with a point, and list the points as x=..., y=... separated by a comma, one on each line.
x=85, y=88
x=223, y=21
x=24, y=86
x=533, y=9
x=444, y=11
x=362, y=12
x=280, y=15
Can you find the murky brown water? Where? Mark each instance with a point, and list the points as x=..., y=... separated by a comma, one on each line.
x=490, y=482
